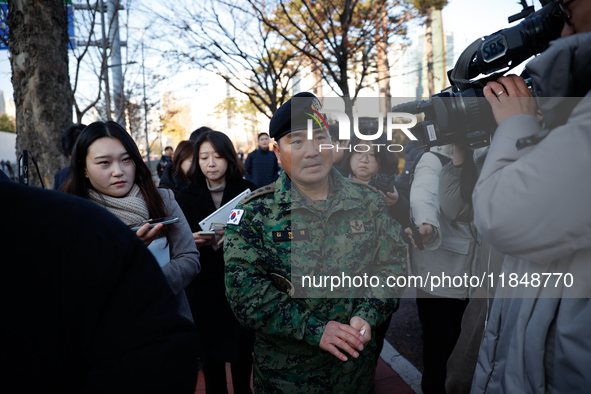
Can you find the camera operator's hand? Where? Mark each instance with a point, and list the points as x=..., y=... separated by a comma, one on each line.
x=509, y=96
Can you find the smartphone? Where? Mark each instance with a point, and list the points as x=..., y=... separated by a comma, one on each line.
x=153, y=222
x=206, y=233
x=217, y=227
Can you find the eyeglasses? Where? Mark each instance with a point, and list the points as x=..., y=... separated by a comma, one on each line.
x=368, y=155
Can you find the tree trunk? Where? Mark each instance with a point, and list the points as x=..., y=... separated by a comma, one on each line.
x=317, y=73
x=317, y=77
x=38, y=44
x=383, y=63
x=343, y=51
x=429, y=50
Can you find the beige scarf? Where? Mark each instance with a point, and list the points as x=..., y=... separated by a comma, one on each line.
x=217, y=193
x=131, y=208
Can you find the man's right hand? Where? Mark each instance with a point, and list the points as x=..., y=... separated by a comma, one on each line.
x=341, y=336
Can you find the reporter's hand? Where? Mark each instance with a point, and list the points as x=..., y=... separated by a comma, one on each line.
x=509, y=96
x=341, y=336
x=147, y=234
x=391, y=197
x=222, y=233
x=201, y=240
x=426, y=230
x=359, y=324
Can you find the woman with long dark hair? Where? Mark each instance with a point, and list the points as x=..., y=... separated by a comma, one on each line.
x=216, y=178
x=182, y=158
x=107, y=168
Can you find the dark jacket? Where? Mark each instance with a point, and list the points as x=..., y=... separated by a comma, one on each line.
x=164, y=162
x=398, y=211
x=401, y=210
x=88, y=308
x=220, y=335
x=262, y=168
x=60, y=178
x=170, y=181
x=4, y=177
x=410, y=157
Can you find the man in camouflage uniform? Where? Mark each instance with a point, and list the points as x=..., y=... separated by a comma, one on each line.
x=310, y=222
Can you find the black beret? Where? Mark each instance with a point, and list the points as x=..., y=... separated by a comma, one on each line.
x=294, y=114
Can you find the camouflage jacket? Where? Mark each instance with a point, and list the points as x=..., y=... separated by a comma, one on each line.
x=282, y=234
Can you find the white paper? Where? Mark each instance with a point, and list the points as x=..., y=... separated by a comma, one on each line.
x=160, y=250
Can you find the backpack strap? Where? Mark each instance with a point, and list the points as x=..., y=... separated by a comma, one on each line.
x=442, y=158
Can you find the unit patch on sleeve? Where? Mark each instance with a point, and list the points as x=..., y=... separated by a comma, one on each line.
x=235, y=216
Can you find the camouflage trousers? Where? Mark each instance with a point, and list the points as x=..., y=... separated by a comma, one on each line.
x=282, y=366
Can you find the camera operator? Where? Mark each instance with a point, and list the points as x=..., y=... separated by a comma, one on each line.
x=457, y=205
x=541, y=344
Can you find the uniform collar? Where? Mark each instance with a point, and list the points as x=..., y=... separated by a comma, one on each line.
x=340, y=191
x=283, y=189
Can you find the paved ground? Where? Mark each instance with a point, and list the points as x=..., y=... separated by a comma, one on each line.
x=405, y=333
x=387, y=381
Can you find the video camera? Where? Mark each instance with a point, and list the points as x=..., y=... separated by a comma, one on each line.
x=460, y=114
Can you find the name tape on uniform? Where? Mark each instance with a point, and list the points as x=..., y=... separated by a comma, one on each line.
x=296, y=235
x=235, y=216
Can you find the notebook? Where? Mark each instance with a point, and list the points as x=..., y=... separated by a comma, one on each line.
x=221, y=215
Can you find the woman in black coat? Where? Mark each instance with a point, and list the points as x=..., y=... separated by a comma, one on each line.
x=216, y=178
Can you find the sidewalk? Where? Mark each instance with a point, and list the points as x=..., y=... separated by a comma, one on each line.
x=387, y=379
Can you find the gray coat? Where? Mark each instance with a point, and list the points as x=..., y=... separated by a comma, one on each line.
x=462, y=362
x=535, y=205
x=184, y=256
x=452, y=250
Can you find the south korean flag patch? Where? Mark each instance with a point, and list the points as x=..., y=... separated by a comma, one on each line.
x=235, y=216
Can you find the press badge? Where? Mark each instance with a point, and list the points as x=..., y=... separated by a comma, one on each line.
x=296, y=235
